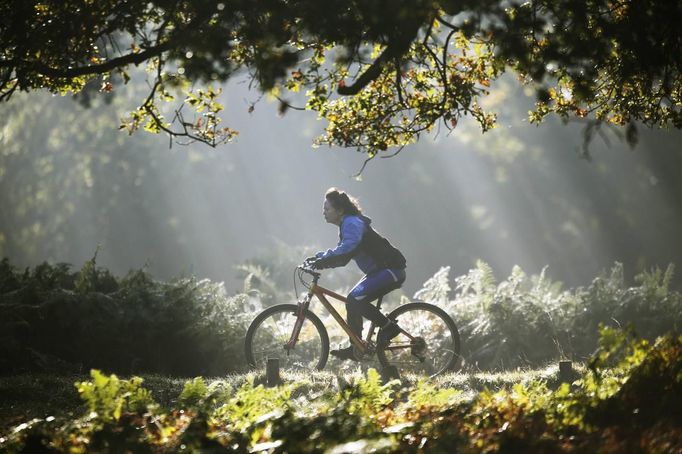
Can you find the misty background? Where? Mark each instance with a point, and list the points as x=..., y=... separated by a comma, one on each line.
x=521, y=194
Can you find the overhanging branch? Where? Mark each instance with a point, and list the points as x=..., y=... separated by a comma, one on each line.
x=132, y=58
x=394, y=51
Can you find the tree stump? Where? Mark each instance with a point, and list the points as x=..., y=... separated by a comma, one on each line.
x=272, y=373
x=565, y=371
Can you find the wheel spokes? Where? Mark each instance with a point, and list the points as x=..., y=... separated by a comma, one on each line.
x=431, y=349
x=274, y=333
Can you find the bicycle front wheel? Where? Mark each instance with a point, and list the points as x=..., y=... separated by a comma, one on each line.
x=434, y=347
x=271, y=330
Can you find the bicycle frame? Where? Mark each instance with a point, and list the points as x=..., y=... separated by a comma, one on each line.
x=321, y=293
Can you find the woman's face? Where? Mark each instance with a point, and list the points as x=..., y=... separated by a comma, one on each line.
x=331, y=214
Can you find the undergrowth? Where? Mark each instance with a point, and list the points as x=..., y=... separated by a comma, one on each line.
x=54, y=319
x=526, y=320
x=627, y=400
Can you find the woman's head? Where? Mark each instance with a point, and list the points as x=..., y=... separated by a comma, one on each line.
x=338, y=204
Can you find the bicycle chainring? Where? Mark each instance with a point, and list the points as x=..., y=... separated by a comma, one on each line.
x=357, y=353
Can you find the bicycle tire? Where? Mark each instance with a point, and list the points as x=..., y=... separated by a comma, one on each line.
x=306, y=355
x=448, y=343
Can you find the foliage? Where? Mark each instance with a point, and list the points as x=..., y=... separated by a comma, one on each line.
x=257, y=282
x=368, y=396
x=90, y=278
x=436, y=288
x=53, y=319
x=427, y=395
x=410, y=64
x=108, y=397
x=250, y=403
x=194, y=393
x=528, y=320
x=636, y=409
x=267, y=277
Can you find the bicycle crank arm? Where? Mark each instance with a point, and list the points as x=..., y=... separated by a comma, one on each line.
x=398, y=346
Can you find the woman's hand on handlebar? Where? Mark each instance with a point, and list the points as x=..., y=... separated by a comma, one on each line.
x=309, y=263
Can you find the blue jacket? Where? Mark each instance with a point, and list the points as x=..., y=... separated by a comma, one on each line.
x=359, y=241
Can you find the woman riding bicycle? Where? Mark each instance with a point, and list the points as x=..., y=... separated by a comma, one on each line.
x=382, y=263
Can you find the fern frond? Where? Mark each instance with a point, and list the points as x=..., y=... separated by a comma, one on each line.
x=437, y=287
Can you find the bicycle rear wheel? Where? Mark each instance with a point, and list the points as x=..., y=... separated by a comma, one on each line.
x=271, y=330
x=436, y=345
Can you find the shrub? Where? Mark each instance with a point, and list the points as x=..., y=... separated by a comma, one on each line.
x=529, y=320
x=55, y=320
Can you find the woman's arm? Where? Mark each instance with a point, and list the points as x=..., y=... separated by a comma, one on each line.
x=352, y=230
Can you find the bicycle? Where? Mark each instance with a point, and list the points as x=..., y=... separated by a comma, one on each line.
x=429, y=341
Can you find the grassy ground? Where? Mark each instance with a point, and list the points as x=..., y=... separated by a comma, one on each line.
x=24, y=397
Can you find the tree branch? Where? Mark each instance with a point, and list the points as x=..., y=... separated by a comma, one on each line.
x=132, y=58
x=394, y=50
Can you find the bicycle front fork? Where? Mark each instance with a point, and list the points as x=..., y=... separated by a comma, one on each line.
x=298, y=324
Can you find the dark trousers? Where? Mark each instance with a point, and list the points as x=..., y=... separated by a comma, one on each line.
x=369, y=288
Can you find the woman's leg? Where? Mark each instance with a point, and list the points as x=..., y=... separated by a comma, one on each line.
x=365, y=292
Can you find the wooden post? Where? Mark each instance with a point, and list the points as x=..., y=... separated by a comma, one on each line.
x=565, y=371
x=272, y=373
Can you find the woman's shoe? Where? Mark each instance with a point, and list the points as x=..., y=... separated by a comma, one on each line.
x=344, y=353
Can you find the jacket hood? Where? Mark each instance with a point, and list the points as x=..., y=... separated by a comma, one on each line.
x=364, y=218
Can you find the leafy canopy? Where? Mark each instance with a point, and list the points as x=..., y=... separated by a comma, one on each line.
x=380, y=72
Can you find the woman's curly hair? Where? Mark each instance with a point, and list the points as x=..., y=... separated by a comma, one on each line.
x=342, y=201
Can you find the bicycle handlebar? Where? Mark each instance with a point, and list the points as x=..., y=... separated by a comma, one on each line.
x=306, y=269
